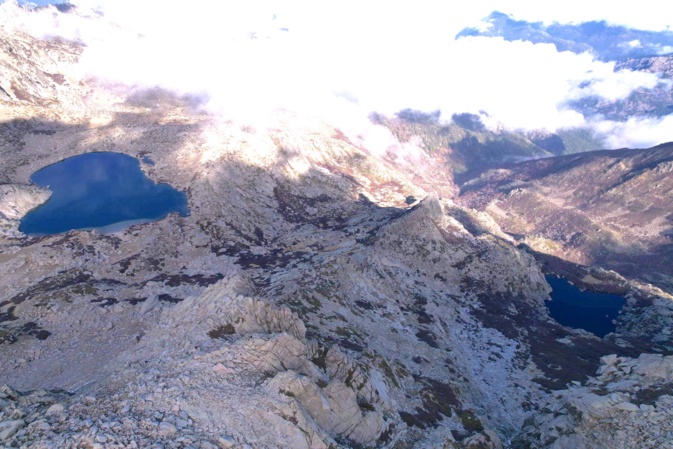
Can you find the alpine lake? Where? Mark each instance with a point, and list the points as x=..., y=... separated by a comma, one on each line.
x=583, y=309
x=104, y=191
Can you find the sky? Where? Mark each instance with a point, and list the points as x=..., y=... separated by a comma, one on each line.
x=343, y=60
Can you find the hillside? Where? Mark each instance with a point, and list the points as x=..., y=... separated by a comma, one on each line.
x=619, y=220
x=465, y=147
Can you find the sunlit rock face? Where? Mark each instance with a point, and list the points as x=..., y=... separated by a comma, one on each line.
x=15, y=201
x=321, y=293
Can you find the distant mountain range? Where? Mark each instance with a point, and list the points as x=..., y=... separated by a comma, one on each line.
x=655, y=102
x=607, y=42
x=636, y=50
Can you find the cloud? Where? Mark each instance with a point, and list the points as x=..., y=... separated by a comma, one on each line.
x=602, y=81
x=346, y=59
x=637, y=132
x=663, y=49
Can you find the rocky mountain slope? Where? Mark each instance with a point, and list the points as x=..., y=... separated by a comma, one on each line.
x=620, y=220
x=466, y=148
x=319, y=295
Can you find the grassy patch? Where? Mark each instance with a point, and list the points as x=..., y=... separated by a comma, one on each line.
x=650, y=395
x=287, y=393
x=469, y=421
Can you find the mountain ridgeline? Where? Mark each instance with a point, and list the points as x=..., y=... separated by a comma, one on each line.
x=608, y=42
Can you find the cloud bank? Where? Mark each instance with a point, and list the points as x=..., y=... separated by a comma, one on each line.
x=343, y=60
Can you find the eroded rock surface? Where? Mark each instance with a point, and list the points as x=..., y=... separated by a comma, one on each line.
x=17, y=200
x=616, y=409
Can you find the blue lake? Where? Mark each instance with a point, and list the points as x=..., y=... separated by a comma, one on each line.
x=106, y=191
x=583, y=309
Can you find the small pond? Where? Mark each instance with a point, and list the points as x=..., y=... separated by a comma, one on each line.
x=105, y=191
x=583, y=309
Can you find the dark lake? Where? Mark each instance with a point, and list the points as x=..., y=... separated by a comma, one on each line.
x=106, y=191
x=583, y=309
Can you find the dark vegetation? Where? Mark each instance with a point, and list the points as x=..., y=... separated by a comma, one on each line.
x=222, y=331
x=438, y=401
x=651, y=394
x=60, y=281
x=12, y=334
x=293, y=208
x=175, y=280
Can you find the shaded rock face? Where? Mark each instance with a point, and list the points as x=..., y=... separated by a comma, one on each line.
x=318, y=295
x=464, y=147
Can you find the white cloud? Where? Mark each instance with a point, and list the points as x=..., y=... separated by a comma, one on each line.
x=340, y=59
x=664, y=49
x=637, y=132
x=603, y=81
